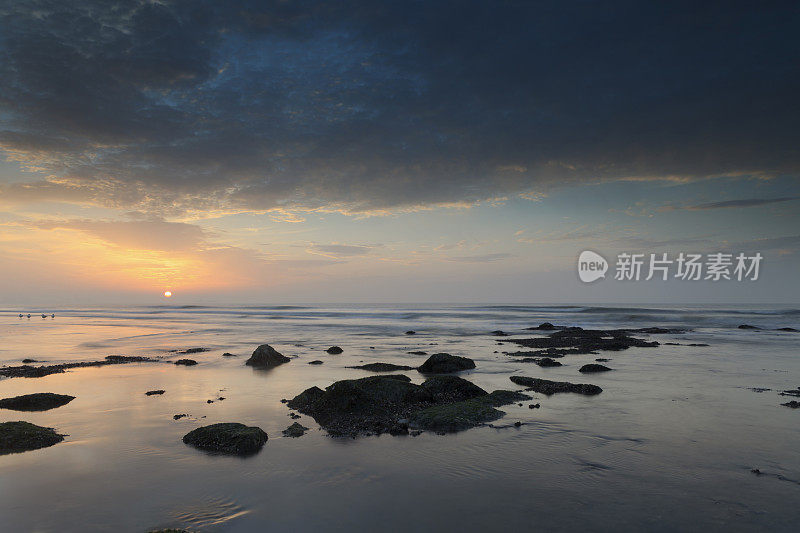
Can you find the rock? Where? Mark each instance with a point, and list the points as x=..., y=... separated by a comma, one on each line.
x=697, y=344
x=546, y=362
x=602, y=359
x=386, y=404
x=334, y=350
x=444, y=363
x=228, y=354
x=194, y=350
x=584, y=341
x=418, y=353
x=546, y=326
x=294, y=416
x=40, y=401
x=779, y=329
x=465, y=414
x=228, y=438
x=534, y=406
x=517, y=424
x=26, y=361
x=795, y=393
x=21, y=436
x=593, y=368
x=547, y=387
x=411, y=332
x=382, y=367
x=748, y=326
x=305, y=399
x=186, y=362
x=295, y=430
x=793, y=404
x=499, y=333
x=445, y=389
x=315, y=362
x=266, y=356
x=153, y=392
x=26, y=371
x=658, y=331
x=178, y=417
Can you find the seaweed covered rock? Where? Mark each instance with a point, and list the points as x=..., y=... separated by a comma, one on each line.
x=40, y=401
x=548, y=387
x=584, y=341
x=444, y=363
x=593, y=368
x=458, y=416
x=445, y=389
x=386, y=404
x=266, y=356
x=382, y=367
x=295, y=430
x=21, y=436
x=228, y=437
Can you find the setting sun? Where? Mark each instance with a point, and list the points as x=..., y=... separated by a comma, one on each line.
x=167, y=294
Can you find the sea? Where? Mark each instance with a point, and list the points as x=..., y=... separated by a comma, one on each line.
x=671, y=444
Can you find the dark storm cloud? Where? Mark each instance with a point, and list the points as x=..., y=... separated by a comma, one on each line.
x=180, y=105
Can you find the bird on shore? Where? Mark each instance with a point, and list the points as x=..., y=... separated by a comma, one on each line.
x=29, y=315
x=44, y=315
x=53, y=315
x=20, y=315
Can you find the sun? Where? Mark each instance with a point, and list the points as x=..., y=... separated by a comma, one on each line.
x=167, y=294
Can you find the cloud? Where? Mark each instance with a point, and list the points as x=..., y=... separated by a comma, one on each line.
x=340, y=250
x=136, y=235
x=483, y=258
x=174, y=107
x=749, y=202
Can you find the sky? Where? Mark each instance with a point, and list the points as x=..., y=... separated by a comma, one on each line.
x=354, y=151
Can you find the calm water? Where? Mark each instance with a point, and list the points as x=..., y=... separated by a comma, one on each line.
x=668, y=445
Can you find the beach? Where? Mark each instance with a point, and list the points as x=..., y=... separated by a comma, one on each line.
x=681, y=438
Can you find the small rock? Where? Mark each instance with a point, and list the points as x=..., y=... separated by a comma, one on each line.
x=186, y=362
x=793, y=404
x=228, y=438
x=444, y=363
x=26, y=361
x=748, y=326
x=316, y=362
x=411, y=332
x=40, y=401
x=418, y=353
x=499, y=333
x=534, y=406
x=592, y=368
x=178, y=417
x=517, y=424
x=229, y=354
x=154, y=392
x=195, y=350
x=21, y=436
x=294, y=416
x=266, y=356
x=334, y=350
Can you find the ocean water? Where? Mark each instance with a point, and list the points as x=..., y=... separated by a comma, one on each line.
x=669, y=445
